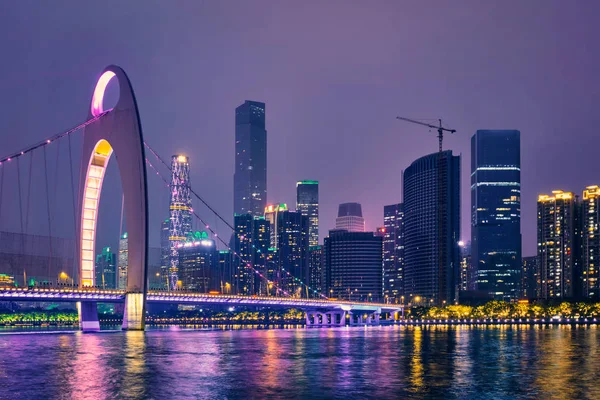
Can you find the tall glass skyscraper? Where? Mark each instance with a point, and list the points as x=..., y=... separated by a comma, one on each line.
x=352, y=262
x=393, y=252
x=432, y=229
x=250, y=177
x=292, y=253
x=123, y=261
x=106, y=269
x=496, y=212
x=307, y=202
x=180, y=209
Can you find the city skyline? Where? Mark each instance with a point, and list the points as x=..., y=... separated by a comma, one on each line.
x=325, y=88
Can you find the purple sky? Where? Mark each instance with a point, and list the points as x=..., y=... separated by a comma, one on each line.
x=333, y=75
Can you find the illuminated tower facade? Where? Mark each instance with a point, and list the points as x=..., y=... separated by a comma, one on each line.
x=180, y=209
x=350, y=218
x=556, y=242
x=307, y=202
x=272, y=212
x=250, y=177
x=496, y=212
x=106, y=269
x=123, y=260
x=590, y=242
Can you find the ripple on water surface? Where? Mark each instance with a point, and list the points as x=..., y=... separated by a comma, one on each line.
x=376, y=362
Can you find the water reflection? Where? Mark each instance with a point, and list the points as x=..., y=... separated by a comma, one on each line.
x=374, y=362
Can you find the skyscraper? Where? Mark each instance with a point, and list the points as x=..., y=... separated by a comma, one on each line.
x=393, y=252
x=180, y=208
x=315, y=270
x=431, y=251
x=292, y=252
x=529, y=277
x=271, y=214
x=496, y=212
x=123, y=261
x=556, y=233
x=307, y=202
x=198, y=263
x=251, y=243
x=353, y=265
x=165, y=251
x=250, y=177
x=590, y=221
x=350, y=218
x=106, y=269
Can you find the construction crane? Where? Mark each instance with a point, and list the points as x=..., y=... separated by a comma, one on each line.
x=442, y=296
x=439, y=128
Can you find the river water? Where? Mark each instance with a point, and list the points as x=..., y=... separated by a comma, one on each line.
x=502, y=362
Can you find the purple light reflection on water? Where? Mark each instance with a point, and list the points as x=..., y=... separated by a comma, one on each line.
x=377, y=362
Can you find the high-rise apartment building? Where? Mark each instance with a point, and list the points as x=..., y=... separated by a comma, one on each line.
x=353, y=263
x=307, y=202
x=292, y=253
x=123, y=261
x=496, y=212
x=272, y=215
x=466, y=273
x=250, y=177
x=432, y=229
x=590, y=242
x=106, y=269
x=180, y=209
x=393, y=252
x=529, y=278
x=556, y=232
x=350, y=218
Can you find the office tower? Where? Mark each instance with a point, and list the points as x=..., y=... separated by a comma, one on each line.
x=353, y=265
x=315, y=270
x=307, y=202
x=226, y=273
x=123, y=261
x=350, y=218
x=393, y=252
x=156, y=279
x=556, y=232
x=496, y=212
x=466, y=275
x=292, y=252
x=251, y=242
x=529, y=277
x=272, y=265
x=198, y=263
x=590, y=241
x=271, y=214
x=250, y=177
x=26, y=259
x=106, y=269
x=432, y=229
x=180, y=209
x=261, y=240
x=165, y=251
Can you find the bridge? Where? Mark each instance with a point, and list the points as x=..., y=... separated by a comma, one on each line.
x=119, y=130
x=319, y=312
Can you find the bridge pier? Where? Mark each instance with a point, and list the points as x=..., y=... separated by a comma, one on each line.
x=134, y=315
x=88, y=316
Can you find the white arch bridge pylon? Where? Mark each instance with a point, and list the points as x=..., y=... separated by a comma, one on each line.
x=120, y=132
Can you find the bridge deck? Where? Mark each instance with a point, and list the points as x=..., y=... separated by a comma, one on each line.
x=118, y=296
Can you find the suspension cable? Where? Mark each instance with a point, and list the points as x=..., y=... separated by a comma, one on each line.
x=1, y=192
x=28, y=193
x=76, y=258
x=48, y=211
x=51, y=139
x=248, y=264
x=229, y=225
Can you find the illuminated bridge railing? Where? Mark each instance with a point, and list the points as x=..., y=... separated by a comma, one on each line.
x=116, y=296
